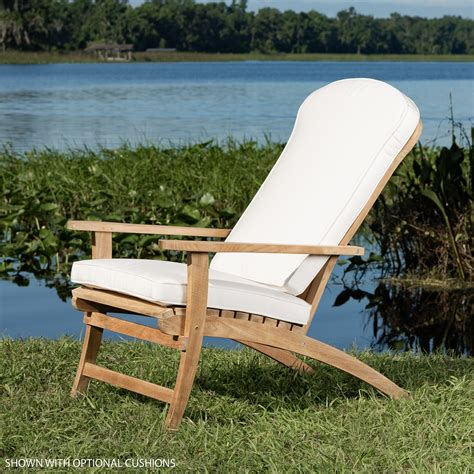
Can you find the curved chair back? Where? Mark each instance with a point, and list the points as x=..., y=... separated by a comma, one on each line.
x=345, y=140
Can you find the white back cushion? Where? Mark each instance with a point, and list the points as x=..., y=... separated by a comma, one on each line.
x=345, y=137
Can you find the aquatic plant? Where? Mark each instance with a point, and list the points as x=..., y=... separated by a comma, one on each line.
x=422, y=224
x=204, y=185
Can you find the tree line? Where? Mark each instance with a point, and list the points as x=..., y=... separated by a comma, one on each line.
x=49, y=25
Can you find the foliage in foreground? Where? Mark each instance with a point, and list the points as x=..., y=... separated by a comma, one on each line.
x=245, y=412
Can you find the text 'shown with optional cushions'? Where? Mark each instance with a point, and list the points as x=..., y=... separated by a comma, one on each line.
x=267, y=277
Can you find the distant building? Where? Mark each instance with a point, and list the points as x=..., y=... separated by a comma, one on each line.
x=111, y=51
x=160, y=50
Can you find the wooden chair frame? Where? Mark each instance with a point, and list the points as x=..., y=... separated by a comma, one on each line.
x=183, y=328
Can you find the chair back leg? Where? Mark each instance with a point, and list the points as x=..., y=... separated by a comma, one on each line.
x=282, y=356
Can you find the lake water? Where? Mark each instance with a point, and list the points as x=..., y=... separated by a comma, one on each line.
x=75, y=105
x=36, y=310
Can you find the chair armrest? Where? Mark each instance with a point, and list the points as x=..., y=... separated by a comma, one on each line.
x=234, y=247
x=97, y=226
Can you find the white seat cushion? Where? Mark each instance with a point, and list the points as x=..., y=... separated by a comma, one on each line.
x=165, y=283
x=346, y=136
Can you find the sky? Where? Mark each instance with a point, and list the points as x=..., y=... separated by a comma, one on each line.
x=379, y=8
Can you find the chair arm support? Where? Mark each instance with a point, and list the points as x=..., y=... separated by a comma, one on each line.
x=234, y=247
x=120, y=227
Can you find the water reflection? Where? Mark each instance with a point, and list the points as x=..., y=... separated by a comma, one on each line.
x=418, y=319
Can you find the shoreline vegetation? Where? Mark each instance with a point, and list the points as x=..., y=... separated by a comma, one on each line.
x=206, y=185
x=43, y=57
x=246, y=412
x=419, y=229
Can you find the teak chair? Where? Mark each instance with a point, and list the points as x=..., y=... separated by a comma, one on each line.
x=267, y=278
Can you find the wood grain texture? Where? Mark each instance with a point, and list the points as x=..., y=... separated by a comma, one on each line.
x=138, y=331
x=93, y=307
x=119, y=227
x=112, y=299
x=233, y=247
x=280, y=355
x=196, y=310
x=101, y=245
x=90, y=349
x=117, y=379
x=316, y=289
x=175, y=325
x=304, y=345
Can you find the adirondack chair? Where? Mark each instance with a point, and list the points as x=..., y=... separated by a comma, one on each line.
x=267, y=277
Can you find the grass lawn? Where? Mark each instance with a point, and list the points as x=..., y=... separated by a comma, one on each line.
x=246, y=413
x=25, y=57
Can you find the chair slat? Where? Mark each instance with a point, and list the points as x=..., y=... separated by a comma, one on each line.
x=255, y=318
x=284, y=325
x=241, y=315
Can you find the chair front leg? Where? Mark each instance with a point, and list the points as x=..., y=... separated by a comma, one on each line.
x=101, y=248
x=90, y=349
x=196, y=308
